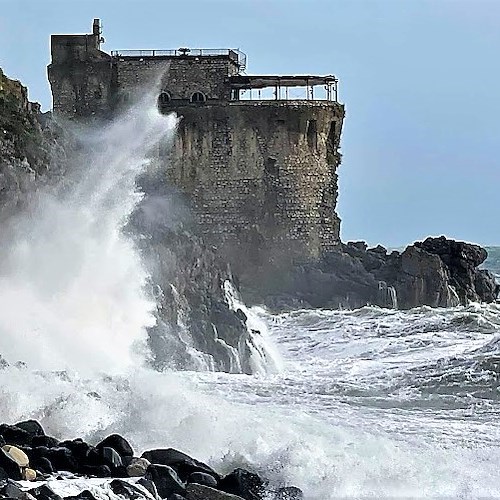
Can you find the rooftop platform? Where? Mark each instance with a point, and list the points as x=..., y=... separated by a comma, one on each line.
x=235, y=55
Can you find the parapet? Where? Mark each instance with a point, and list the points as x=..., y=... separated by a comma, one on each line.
x=238, y=57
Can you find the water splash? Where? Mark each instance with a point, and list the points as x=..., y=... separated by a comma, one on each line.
x=264, y=358
x=71, y=284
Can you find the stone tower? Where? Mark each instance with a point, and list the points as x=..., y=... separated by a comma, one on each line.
x=256, y=155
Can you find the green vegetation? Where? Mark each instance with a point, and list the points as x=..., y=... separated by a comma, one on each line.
x=17, y=125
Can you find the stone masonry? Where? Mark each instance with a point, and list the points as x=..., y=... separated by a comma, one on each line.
x=259, y=174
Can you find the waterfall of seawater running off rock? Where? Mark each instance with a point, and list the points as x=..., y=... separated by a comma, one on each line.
x=71, y=283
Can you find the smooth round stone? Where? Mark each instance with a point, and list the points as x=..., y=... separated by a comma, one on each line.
x=29, y=474
x=17, y=455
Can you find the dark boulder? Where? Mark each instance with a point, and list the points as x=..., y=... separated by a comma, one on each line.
x=44, y=492
x=486, y=286
x=3, y=474
x=110, y=458
x=42, y=464
x=96, y=470
x=47, y=441
x=437, y=272
x=118, y=443
x=203, y=478
x=78, y=448
x=166, y=480
x=32, y=427
x=244, y=484
x=83, y=495
x=183, y=464
x=126, y=490
x=62, y=459
x=11, y=489
x=15, y=436
x=200, y=492
x=420, y=278
x=149, y=486
x=461, y=260
x=454, y=253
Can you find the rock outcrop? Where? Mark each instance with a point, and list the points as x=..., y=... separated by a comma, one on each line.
x=24, y=141
x=189, y=281
x=437, y=272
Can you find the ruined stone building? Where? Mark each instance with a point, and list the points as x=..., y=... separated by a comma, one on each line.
x=256, y=155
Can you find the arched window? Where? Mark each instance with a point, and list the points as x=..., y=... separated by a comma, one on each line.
x=164, y=98
x=198, y=97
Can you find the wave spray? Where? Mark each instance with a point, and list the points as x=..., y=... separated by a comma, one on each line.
x=71, y=283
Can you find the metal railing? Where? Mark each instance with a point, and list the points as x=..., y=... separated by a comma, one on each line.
x=327, y=92
x=236, y=54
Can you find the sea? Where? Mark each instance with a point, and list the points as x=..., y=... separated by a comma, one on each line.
x=368, y=403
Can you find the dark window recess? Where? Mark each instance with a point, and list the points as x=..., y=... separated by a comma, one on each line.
x=331, y=148
x=270, y=167
x=198, y=97
x=312, y=134
x=164, y=98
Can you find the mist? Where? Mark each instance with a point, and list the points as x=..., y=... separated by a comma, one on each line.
x=72, y=284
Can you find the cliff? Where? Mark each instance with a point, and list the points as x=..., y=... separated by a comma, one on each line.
x=194, y=312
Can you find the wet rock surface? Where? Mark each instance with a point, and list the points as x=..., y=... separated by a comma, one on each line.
x=188, y=280
x=187, y=276
x=437, y=272
x=167, y=473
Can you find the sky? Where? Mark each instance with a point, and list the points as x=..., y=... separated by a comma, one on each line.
x=419, y=80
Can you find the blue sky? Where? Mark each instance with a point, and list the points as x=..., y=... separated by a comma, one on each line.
x=419, y=80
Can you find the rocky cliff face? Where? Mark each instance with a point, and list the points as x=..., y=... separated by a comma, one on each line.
x=193, y=288
x=23, y=144
x=196, y=317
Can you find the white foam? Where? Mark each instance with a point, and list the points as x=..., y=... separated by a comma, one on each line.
x=71, y=284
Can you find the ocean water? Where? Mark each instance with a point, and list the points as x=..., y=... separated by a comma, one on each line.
x=368, y=403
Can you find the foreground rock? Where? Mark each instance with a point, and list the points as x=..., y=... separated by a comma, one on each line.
x=200, y=492
x=437, y=272
x=164, y=473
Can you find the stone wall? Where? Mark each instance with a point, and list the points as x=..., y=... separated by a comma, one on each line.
x=81, y=76
x=179, y=76
x=261, y=176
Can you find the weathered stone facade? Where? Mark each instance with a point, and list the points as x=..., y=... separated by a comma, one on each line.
x=260, y=174
x=258, y=186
